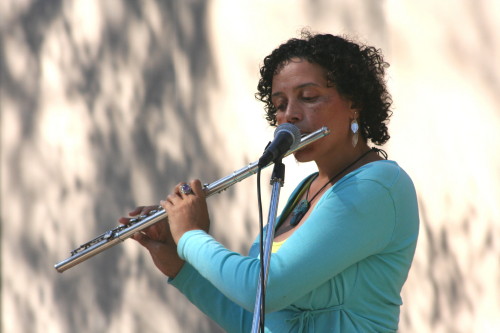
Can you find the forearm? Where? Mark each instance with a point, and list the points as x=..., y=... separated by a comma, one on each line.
x=234, y=275
x=209, y=300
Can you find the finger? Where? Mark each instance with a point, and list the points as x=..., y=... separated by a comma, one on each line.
x=185, y=190
x=171, y=199
x=177, y=189
x=197, y=188
x=124, y=220
x=167, y=202
x=136, y=211
x=153, y=231
x=146, y=211
x=142, y=239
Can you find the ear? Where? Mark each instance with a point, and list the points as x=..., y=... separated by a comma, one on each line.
x=355, y=107
x=354, y=113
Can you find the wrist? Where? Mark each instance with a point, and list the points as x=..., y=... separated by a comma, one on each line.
x=172, y=271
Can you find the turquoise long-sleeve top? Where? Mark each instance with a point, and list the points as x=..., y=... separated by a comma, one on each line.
x=341, y=271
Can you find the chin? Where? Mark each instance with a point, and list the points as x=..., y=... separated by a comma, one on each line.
x=304, y=155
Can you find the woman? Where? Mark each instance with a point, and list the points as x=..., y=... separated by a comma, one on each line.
x=346, y=239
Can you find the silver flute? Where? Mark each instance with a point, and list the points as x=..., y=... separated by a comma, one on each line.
x=120, y=233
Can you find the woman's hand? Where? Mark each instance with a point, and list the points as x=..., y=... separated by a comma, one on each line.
x=158, y=240
x=187, y=210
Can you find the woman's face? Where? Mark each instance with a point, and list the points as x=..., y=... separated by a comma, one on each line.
x=301, y=97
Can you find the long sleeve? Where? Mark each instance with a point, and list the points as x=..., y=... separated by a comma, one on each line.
x=364, y=226
x=211, y=301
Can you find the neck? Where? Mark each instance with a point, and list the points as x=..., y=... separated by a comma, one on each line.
x=330, y=167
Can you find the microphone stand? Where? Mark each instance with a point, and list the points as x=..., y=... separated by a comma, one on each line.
x=277, y=180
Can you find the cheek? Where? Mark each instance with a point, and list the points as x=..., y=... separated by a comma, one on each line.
x=280, y=118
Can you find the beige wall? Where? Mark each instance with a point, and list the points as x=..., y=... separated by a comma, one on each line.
x=108, y=104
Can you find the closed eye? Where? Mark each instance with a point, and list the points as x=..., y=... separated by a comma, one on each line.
x=310, y=98
x=280, y=107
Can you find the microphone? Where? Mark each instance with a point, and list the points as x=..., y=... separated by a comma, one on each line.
x=286, y=137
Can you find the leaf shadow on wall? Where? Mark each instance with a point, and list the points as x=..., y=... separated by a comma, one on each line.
x=119, y=148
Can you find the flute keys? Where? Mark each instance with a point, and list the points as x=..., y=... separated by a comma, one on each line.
x=108, y=234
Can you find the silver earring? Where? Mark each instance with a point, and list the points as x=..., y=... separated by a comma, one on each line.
x=355, y=134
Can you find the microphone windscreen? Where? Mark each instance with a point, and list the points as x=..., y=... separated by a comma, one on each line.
x=292, y=130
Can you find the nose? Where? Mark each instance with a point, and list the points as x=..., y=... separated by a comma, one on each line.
x=292, y=114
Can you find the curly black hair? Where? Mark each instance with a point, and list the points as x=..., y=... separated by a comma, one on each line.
x=357, y=72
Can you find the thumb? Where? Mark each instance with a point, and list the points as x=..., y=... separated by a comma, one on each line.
x=154, y=247
x=143, y=239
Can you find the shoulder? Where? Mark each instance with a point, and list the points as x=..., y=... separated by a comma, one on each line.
x=377, y=182
x=385, y=184
x=385, y=173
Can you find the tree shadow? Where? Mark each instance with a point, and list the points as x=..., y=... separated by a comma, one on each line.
x=115, y=158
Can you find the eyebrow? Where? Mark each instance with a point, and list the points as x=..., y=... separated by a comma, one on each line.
x=303, y=85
